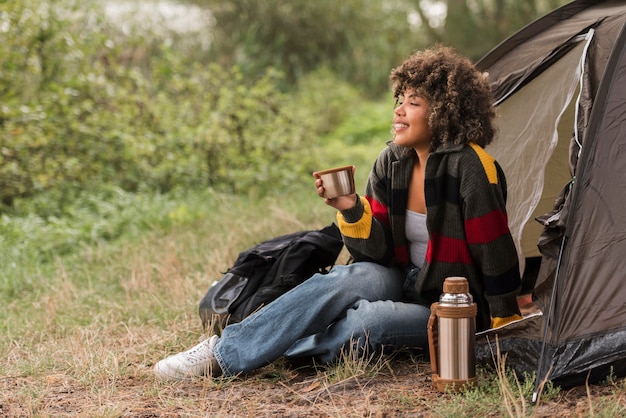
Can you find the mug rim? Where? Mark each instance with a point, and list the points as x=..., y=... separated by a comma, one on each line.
x=334, y=170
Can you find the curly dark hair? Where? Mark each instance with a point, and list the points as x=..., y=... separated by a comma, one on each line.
x=459, y=96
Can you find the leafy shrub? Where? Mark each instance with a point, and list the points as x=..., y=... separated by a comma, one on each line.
x=85, y=105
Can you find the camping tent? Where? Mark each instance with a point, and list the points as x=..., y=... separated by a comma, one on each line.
x=560, y=86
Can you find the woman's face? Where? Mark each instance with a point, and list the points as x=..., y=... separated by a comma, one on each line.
x=410, y=122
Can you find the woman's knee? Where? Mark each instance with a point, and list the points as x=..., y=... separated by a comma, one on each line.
x=367, y=275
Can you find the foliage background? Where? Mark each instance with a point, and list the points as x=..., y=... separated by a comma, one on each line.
x=115, y=125
x=89, y=103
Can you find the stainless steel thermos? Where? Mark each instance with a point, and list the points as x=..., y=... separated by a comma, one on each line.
x=451, y=337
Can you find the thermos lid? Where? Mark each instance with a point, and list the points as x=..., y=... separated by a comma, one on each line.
x=455, y=285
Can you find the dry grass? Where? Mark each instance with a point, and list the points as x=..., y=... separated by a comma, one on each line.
x=85, y=341
x=107, y=373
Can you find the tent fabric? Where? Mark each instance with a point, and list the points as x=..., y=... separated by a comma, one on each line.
x=560, y=87
x=527, y=140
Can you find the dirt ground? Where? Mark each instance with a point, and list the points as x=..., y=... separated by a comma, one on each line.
x=403, y=389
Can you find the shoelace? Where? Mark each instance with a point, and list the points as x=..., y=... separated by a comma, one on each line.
x=198, y=354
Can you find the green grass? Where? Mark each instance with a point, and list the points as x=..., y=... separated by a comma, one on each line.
x=145, y=259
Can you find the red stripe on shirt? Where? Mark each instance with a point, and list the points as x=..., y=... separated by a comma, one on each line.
x=379, y=211
x=486, y=228
x=447, y=250
x=402, y=254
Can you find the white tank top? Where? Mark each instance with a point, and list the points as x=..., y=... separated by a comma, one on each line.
x=417, y=235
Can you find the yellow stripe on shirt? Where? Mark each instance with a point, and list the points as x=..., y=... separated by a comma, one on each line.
x=488, y=163
x=360, y=228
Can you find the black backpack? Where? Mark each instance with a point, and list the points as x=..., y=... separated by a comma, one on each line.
x=266, y=271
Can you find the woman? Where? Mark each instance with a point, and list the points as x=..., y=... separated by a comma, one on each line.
x=434, y=207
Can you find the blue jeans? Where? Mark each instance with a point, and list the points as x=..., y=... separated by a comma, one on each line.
x=358, y=303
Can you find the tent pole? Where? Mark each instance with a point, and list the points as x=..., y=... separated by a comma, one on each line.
x=548, y=316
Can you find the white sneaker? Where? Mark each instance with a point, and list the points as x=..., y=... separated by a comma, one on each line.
x=197, y=361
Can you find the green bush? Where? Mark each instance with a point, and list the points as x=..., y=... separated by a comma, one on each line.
x=85, y=105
